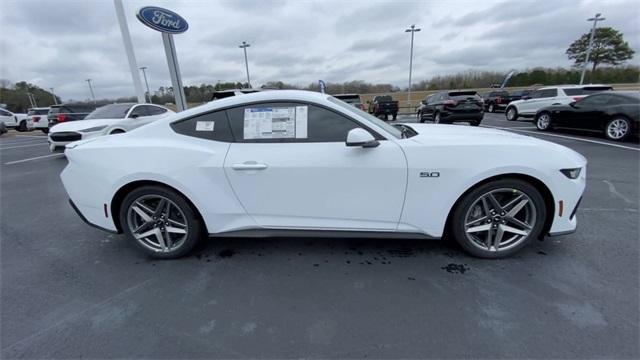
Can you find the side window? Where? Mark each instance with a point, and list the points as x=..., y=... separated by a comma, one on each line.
x=597, y=100
x=547, y=93
x=288, y=122
x=4, y=113
x=139, y=111
x=616, y=100
x=210, y=126
x=155, y=110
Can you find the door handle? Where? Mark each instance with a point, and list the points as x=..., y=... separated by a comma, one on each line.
x=249, y=165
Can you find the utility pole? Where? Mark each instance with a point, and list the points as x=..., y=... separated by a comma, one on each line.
x=128, y=48
x=55, y=101
x=144, y=74
x=244, y=47
x=93, y=96
x=593, y=31
x=412, y=30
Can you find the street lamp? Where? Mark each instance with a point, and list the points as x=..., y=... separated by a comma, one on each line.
x=144, y=74
x=93, y=96
x=593, y=31
x=412, y=30
x=244, y=47
x=55, y=101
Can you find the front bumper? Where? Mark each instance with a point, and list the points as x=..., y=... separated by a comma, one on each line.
x=58, y=140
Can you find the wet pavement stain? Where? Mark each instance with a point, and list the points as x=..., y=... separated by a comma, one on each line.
x=455, y=268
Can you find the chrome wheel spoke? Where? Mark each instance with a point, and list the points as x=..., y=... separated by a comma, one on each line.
x=479, y=228
x=138, y=208
x=496, y=205
x=519, y=223
x=480, y=219
x=175, y=230
x=513, y=230
x=517, y=208
x=177, y=223
x=497, y=238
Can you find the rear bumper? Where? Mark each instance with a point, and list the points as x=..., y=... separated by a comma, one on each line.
x=462, y=116
x=75, y=208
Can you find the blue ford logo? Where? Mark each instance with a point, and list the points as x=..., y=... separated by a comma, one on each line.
x=162, y=20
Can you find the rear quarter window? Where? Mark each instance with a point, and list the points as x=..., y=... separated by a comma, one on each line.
x=211, y=126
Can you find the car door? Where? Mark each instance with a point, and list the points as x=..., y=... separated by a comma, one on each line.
x=7, y=118
x=539, y=99
x=289, y=167
x=587, y=113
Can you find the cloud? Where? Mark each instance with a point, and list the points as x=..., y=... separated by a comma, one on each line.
x=60, y=44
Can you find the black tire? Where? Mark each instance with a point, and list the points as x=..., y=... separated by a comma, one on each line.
x=395, y=116
x=22, y=127
x=491, y=108
x=117, y=131
x=511, y=113
x=386, y=117
x=419, y=116
x=463, y=208
x=45, y=130
x=436, y=118
x=474, y=123
x=543, y=121
x=618, y=128
x=193, y=224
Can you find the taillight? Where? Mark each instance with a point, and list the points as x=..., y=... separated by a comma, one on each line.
x=36, y=118
x=498, y=100
x=576, y=98
x=450, y=103
x=62, y=117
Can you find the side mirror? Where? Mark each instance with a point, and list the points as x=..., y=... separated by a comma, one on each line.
x=361, y=137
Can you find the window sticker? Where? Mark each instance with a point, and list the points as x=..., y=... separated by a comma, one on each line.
x=205, y=125
x=275, y=123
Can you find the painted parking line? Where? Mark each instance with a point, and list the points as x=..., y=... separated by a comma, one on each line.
x=565, y=137
x=21, y=146
x=32, y=136
x=31, y=159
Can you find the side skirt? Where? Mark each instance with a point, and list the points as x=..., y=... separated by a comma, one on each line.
x=267, y=233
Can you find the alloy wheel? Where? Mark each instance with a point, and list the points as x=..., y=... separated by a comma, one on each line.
x=500, y=219
x=157, y=223
x=491, y=108
x=544, y=120
x=437, y=118
x=617, y=129
x=511, y=114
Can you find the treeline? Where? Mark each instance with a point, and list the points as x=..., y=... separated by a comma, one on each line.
x=529, y=77
x=16, y=96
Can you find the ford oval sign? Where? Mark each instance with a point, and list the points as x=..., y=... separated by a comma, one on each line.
x=162, y=20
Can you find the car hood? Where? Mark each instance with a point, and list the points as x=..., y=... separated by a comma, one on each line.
x=83, y=124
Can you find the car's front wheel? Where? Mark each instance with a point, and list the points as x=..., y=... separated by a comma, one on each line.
x=498, y=218
x=491, y=108
x=543, y=121
x=160, y=222
x=617, y=129
x=511, y=113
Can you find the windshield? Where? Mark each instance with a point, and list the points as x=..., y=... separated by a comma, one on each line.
x=38, y=111
x=368, y=117
x=113, y=111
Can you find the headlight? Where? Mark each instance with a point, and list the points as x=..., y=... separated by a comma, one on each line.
x=571, y=173
x=96, y=128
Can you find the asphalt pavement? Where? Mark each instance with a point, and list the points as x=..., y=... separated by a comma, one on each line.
x=70, y=291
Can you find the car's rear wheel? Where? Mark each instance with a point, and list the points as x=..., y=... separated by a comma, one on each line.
x=617, y=129
x=160, y=222
x=45, y=130
x=498, y=218
x=22, y=127
x=436, y=118
x=511, y=113
x=117, y=131
x=543, y=121
x=491, y=108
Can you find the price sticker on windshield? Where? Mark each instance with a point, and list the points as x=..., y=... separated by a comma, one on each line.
x=205, y=125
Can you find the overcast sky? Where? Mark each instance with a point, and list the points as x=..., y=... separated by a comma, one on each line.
x=60, y=43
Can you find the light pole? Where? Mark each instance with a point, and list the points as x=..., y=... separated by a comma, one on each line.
x=144, y=74
x=55, y=101
x=412, y=30
x=244, y=47
x=93, y=96
x=593, y=31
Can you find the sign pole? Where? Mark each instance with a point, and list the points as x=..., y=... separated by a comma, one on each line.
x=128, y=47
x=174, y=71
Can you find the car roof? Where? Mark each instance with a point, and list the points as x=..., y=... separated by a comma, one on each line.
x=573, y=86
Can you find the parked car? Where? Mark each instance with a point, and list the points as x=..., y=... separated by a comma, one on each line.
x=37, y=119
x=288, y=162
x=106, y=120
x=383, y=105
x=498, y=100
x=448, y=107
x=3, y=128
x=551, y=95
x=68, y=112
x=13, y=120
x=614, y=113
x=352, y=99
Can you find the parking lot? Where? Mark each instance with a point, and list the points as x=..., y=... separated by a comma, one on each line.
x=69, y=290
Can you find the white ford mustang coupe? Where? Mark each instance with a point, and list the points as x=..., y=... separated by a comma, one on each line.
x=277, y=163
